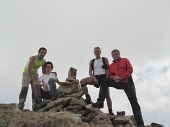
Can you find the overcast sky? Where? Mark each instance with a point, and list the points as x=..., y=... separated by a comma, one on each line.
x=70, y=30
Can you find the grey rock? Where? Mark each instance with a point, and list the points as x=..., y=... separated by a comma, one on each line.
x=76, y=95
x=59, y=101
x=74, y=108
x=90, y=107
x=121, y=120
x=122, y=113
x=156, y=125
x=75, y=101
x=101, y=119
x=127, y=125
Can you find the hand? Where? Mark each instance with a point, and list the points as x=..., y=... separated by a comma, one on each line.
x=117, y=79
x=35, y=82
x=45, y=86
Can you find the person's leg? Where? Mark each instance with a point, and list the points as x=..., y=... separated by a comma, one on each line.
x=102, y=93
x=24, y=90
x=37, y=93
x=84, y=88
x=131, y=94
x=106, y=83
x=53, y=90
x=33, y=97
x=109, y=102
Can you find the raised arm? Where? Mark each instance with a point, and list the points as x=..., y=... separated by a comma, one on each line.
x=64, y=83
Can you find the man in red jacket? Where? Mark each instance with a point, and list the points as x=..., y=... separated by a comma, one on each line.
x=120, y=78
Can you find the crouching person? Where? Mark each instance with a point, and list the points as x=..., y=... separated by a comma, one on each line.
x=45, y=88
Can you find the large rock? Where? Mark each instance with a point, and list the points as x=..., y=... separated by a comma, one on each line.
x=101, y=119
x=69, y=89
x=76, y=95
x=121, y=120
x=90, y=107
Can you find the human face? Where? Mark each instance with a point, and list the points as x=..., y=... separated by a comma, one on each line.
x=42, y=53
x=48, y=68
x=97, y=52
x=115, y=55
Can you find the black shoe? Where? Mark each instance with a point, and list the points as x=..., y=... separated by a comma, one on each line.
x=98, y=104
x=53, y=98
x=88, y=100
x=40, y=105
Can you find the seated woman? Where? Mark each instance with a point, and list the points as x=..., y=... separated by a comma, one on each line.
x=45, y=88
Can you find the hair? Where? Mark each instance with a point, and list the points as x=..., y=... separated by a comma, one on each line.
x=115, y=50
x=42, y=48
x=97, y=48
x=48, y=62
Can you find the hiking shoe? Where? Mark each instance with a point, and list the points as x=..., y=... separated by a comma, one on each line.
x=98, y=104
x=53, y=98
x=88, y=100
x=40, y=105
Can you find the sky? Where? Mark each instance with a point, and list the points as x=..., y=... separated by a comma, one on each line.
x=70, y=30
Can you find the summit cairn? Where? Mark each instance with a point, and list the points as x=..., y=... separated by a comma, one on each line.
x=70, y=89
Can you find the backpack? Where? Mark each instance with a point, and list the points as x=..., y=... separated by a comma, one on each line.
x=104, y=64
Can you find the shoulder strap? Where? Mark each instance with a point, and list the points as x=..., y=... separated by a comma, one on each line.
x=104, y=62
x=92, y=63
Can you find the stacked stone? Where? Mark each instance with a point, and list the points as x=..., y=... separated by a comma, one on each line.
x=73, y=102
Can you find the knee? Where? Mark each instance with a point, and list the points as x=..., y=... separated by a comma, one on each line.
x=83, y=82
x=51, y=80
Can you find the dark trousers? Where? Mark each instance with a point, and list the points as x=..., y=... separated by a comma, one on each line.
x=130, y=91
x=40, y=94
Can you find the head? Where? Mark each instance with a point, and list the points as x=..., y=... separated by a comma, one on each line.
x=115, y=54
x=42, y=52
x=97, y=51
x=48, y=67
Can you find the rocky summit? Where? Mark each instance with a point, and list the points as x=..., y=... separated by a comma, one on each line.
x=69, y=110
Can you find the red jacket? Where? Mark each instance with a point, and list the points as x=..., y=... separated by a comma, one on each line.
x=122, y=68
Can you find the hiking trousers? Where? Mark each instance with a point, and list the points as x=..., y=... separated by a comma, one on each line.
x=41, y=94
x=26, y=80
x=130, y=92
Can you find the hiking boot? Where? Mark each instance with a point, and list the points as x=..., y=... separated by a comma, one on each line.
x=53, y=98
x=111, y=112
x=88, y=100
x=98, y=104
x=40, y=105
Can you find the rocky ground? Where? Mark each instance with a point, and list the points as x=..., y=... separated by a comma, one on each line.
x=69, y=110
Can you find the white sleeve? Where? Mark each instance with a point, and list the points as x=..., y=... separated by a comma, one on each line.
x=40, y=78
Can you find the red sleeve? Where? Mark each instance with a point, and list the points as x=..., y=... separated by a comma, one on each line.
x=129, y=70
x=111, y=76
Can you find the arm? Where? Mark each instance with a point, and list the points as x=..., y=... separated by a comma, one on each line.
x=129, y=70
x=43, y=68
x=30, y=65
x=117, y=79
x=64, y=83
x=90, y=73
x=107, y=70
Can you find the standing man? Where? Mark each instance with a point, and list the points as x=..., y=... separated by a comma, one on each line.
x=30, y=75
x=120, y=78
x=99, y=66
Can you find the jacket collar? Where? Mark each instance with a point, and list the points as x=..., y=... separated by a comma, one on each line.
x=116, y=61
